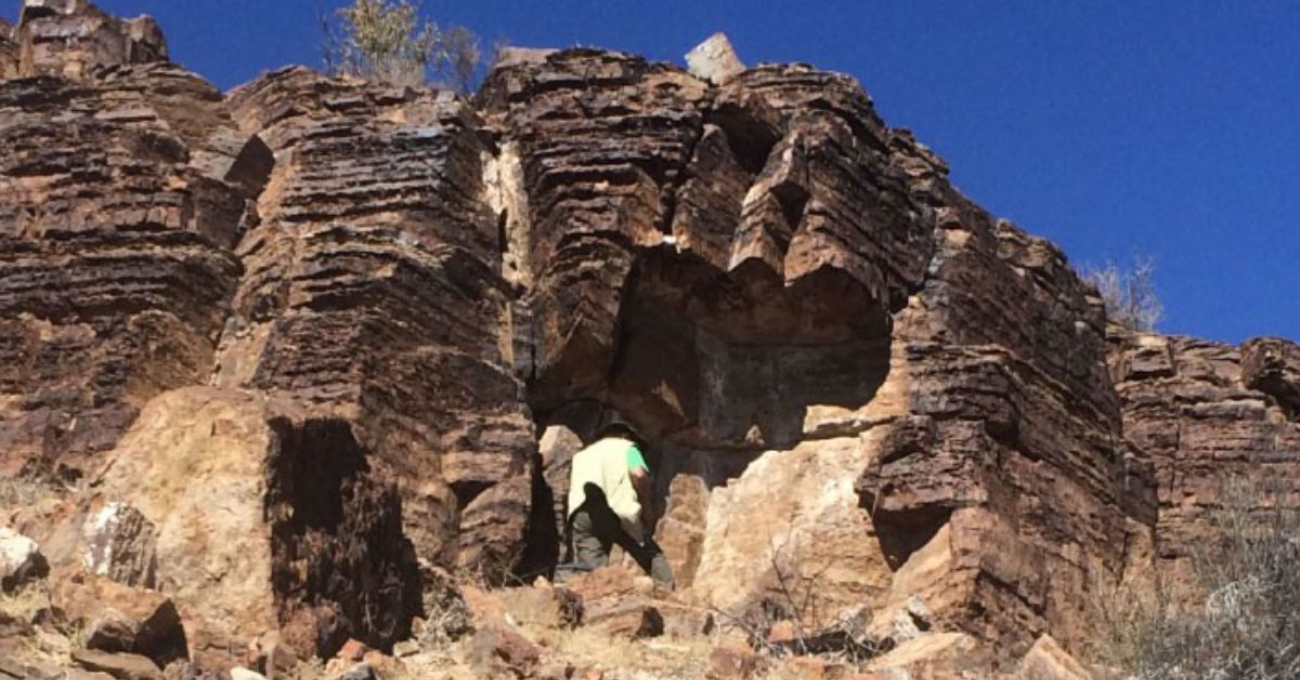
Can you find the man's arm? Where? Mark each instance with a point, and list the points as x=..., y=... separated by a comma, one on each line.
x=640, y=474
x=641, y=482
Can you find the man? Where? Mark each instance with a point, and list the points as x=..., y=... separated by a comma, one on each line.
x=609, y=503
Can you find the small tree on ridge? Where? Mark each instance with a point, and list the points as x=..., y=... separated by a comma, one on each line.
x=1129, y=294
x=388, y=41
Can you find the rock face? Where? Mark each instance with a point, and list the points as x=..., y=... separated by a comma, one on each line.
x=1217, y=422
x=116, y=260
x=839, y=355
x=372, y=288
x=8, y=51
x=306, y=344
x=71, y=37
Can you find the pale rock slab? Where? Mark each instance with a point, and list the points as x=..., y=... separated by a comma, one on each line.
x=20, y=560
x=714, y=60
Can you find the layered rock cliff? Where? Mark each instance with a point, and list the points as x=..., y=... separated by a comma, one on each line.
x=291, y=351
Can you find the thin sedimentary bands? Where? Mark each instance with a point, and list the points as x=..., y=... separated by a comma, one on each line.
x=418, y=306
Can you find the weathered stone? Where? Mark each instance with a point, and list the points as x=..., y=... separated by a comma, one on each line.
x=1047, y=661
x=1272, y=366
x=619, y=602
x=241, y=673
x=714, y=60
x=70, y=37
x=359, y=671
x=1216, y=425
x=8, y=51
x=297, y=505
x=125, y=618
x=375, y=291
x=14, y=625
x=544, y=606
x=934, y=656
x=446, y=614
x=299, y=342
x=272, y=656
x=810, y=668
x=352, y=651
x=499, y=652
x=120, y=666
x=733, y=661
x=20, y=560
x=110, y=632
x=115, y=262
x=119, y=543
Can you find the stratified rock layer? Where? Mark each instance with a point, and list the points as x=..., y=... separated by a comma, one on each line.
x=116, y=255
x=1218, y=424
x=372, y=286
x=72, y=37
x=314, y=340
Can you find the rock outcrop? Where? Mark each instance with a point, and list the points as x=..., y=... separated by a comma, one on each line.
x=1218, y=424
x=71, y=37
x=296, y=349
x=116, y=256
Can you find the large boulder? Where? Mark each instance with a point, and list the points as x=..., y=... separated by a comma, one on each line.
x=266, y=517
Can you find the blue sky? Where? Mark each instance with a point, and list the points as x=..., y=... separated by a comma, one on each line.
x=1170, y=129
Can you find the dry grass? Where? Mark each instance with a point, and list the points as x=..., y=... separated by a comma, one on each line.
x=1239, y=617
x=41, y=646
x=626, y=659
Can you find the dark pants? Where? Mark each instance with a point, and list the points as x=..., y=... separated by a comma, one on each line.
x=593, y=531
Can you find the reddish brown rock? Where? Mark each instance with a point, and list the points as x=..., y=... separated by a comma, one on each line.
x=1047, y=661
x=115, y=262
x=1272, y=366
x=72, y=37
x=733, y=661
x=1215, y=421
x=119, y=666
x=939, y=656
x=499, y=652
x=8, y=51
x=619, y=602
x=301, y=341
x=122, y=618
x=266, y=518
x=374, y=290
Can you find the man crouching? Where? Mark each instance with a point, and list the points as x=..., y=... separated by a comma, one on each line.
x=609, y=503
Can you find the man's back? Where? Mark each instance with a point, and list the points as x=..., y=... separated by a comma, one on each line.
x=605, y=467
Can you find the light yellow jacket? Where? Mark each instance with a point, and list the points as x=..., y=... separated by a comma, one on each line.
x=604, y=464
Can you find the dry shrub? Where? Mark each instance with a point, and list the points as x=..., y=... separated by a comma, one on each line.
x=794, y=599
x=1129, y=294
x=388, y=41
x=1238, y=618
